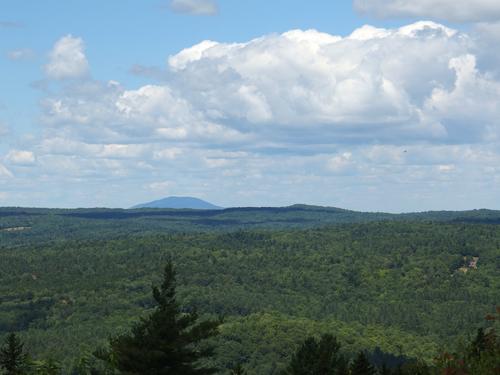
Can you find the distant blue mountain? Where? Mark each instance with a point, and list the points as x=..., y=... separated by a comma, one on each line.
x=180, y=202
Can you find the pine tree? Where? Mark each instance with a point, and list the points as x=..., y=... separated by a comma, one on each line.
x=318, y=358
x=361, y=366
x=168, y=342
x=12, y=357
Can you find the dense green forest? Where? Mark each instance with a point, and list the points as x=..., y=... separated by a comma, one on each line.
x=20, y=226
x=409, y=285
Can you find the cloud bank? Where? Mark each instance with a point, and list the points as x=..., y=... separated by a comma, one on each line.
x=408, y=113
x=300, y=85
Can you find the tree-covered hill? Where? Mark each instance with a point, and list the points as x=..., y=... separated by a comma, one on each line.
x=409, y=287
x=19, y=226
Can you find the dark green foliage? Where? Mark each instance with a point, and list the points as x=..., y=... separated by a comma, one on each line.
x=86, y=365
x=415, y=368
x=315, y=357
x=384, y=370
x=389, y=361
x=361, y=366
x=19, y=226
x=238, y=370
x=13, y=359
x=168, y=342
x=479, y=345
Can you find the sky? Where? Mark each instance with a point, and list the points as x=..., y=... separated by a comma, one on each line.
x=371, y=105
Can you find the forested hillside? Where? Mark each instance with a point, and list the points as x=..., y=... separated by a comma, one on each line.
x=20, y=226
x=410, y=287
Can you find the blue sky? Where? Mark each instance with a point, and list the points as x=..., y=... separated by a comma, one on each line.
x=372, y=105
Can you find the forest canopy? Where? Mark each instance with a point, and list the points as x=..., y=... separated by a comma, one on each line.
x=388, y=285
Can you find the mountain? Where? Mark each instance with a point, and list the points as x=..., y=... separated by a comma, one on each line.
x=179, y=202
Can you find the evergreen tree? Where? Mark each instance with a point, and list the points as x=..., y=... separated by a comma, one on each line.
x=13, y=360
x=318, y=358
x=168, y=342
x=361, y=366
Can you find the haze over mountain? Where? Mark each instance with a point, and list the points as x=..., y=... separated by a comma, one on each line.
x=180, y=202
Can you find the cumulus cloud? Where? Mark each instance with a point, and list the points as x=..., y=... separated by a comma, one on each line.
x=67, y=59
x=195, y=7
x=468, y=114
x=368, y=85
x=451, y=10
x=112, y=114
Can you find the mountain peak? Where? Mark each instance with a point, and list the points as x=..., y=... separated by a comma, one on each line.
x=180, y=203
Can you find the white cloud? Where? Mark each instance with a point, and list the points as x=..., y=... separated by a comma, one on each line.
x=196, y=7
x=191, y=54
x=106, y=112
x=342, y=164
x=61, y=146
x=20, y=157
x=161, y=187
x=167, y=154
x=451, y=10
x=368, y=85
x=446, y=168
x=471, y=105
x=67, y=59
